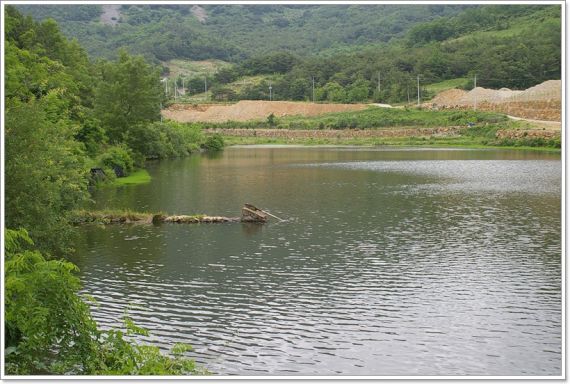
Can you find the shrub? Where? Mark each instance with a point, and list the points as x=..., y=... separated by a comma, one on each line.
x=214, y=142
x=49, y=328
x=117, y=156
x=271, y=120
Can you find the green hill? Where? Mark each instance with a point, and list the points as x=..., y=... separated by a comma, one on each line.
x=354, y=53
x=234, y=32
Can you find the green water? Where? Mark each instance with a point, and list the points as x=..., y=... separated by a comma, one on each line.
x=390, y=261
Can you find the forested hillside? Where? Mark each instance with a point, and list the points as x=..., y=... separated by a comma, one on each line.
x=235, y=32
x=354, y=53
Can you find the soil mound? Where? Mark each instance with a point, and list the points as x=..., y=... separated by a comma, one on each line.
x=549, y=90
x=541, y=102
x=449, y=97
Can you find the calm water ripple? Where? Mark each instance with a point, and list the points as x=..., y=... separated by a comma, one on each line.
x=391, y=262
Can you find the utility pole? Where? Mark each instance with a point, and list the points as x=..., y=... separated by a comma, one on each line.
x=183, y=86
x=205, y=88
x=270, y=88
x=418, y=90
x=408, y=89
x=475, y=86
x=313, y=89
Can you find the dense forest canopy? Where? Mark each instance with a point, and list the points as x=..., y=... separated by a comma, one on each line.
x=235, y=32
x=354, y=52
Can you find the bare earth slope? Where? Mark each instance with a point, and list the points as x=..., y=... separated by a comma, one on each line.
x=251, y=110
x=541, y=102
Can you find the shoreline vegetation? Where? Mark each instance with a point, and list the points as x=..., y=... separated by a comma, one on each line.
x=140, y=176
x=367, y=142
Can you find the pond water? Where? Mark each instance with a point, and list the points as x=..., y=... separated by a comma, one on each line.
x=390, y=261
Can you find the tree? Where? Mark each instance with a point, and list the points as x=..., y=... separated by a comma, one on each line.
x=334, y=92
x=358, y=91
x=45, y=172
x=129, y=93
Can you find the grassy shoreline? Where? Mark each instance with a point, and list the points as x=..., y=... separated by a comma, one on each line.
x=140, y=176
x=463, y=142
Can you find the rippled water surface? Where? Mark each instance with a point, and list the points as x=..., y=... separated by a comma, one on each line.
x=390, y=262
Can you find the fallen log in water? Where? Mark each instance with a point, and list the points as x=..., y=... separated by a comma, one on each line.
x=195, y=219
x=129, y=217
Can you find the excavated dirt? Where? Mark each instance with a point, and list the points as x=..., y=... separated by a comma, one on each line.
x=541, y=102
x=251, y=110
x=448, y=98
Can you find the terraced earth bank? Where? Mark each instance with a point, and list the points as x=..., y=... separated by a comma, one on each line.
x=251, y=110
x=541, y=102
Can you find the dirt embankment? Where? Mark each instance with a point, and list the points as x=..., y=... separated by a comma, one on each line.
x=251, y=110
x=541, y=102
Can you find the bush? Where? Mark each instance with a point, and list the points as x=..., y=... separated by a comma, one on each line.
x=117, y=156
x=214, y=143
x=271, y=120
x=164, y=139
x=49, y=328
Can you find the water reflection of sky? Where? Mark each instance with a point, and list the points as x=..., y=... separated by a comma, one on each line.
x=472, y=175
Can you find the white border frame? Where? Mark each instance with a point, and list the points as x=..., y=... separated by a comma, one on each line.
x=158, y=379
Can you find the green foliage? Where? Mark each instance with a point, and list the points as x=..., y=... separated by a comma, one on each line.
x=121, y=357
x=271, y=121
x=460, y=83
x=237, y=32
x=49, y=329
x=164, y=140
x=137, y=177
x=117, y=156
x=45, y=172
x=214, y=142
x=129, y=93
x=514, y=46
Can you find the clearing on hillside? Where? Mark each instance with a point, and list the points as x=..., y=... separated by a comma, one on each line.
x=251, y=110
x=190, y=68
x=111, y=14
